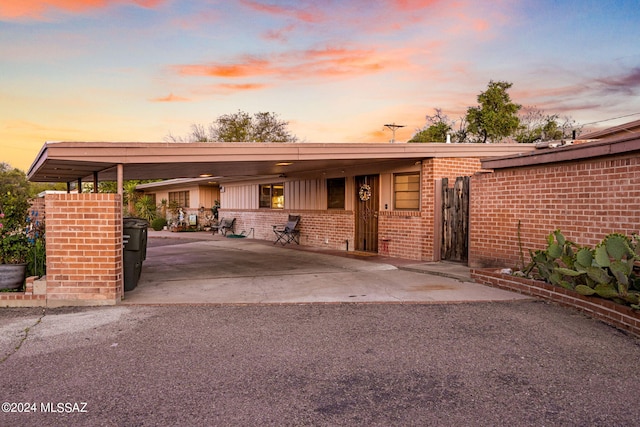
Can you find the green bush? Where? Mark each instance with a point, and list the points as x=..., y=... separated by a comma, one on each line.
x=158, y=224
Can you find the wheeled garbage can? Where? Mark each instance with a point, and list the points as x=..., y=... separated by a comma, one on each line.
x=134, y=232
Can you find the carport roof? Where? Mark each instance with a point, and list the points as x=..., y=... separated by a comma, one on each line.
x=70, y=161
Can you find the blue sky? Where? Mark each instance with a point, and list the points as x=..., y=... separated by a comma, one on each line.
x=137, y=70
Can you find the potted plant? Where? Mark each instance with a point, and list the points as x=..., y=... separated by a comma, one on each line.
x=14, y=241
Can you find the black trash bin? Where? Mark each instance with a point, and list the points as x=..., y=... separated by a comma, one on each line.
x=134, y=232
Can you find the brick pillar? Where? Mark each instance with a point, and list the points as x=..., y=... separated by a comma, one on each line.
x=427, y=209
x=84, y=249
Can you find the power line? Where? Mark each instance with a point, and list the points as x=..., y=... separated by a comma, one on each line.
x=614, y=118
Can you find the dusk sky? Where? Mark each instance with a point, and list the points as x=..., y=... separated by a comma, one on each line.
x=137, y=70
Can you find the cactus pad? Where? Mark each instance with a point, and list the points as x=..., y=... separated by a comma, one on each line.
x=584, y=290
x=618, y=246
x=584, y=257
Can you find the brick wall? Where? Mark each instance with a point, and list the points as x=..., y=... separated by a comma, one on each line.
x=328, y=229
x=586, y=200
x=84, y=249
x=401, y=234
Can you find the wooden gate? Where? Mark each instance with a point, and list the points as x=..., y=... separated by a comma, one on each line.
x=455, y=220
x=367, y=213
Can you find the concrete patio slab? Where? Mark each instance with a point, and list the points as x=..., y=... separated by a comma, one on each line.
x=198, y=268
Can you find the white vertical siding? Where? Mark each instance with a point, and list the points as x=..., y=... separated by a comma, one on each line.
x=304, y=194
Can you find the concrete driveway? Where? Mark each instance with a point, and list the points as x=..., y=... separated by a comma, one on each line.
x=198, y=268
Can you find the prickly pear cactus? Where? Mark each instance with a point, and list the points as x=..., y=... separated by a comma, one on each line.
x=584, y=257
x=611, y=270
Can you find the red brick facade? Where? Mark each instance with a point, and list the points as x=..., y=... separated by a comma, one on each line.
x=84, y=249
x=586, y=199
x=401, y=234
x=329, y=229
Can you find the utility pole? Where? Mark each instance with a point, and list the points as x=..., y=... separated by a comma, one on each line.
x=393, y=128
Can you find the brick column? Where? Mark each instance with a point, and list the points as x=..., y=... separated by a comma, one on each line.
x=84, y=249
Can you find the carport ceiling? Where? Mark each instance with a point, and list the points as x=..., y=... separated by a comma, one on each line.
x=70, y=161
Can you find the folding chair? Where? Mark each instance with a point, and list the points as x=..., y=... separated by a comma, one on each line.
x=225, y=224
x=288, y=232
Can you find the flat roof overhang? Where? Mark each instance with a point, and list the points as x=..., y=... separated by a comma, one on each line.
x=70, y=161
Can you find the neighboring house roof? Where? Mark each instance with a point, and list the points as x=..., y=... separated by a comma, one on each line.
x=70, y=161
x=618, y=145
x=626, y=128
x=174, y=183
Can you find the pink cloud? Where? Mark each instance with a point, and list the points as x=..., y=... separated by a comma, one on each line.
x=280, y=34
x=312, y=63
x=38, y=9
x=170, y=98
x=242, y=86
x=230, y=88
x=413, y=5
x=250, y=66
x=311, y=15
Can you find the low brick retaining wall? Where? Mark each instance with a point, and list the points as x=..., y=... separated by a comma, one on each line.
x=617, y=315
x=34, y=295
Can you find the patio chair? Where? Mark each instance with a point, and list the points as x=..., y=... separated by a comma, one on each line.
x=225, y=225
x=288, y=232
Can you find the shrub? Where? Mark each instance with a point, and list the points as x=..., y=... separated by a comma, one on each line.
x=158, y=224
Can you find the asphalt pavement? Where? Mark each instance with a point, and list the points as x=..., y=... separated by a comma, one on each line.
x=517, y=363
x=328, y=341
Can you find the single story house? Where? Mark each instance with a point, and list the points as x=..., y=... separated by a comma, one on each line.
x=381, y=197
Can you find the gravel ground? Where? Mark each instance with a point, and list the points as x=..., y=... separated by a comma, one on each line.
x=482, y=364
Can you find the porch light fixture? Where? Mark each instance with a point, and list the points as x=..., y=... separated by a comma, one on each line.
x=284, y=163
x=206, y=175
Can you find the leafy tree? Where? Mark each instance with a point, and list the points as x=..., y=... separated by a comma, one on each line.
x=241, y=127
x=496, y=117
x=436, y=130
x=14, y=196
x=36, y=188
x=236, y=127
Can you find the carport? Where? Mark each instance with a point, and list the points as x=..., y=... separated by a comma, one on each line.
x=84, y=231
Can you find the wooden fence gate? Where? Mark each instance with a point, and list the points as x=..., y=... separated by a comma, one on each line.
x=455, y=220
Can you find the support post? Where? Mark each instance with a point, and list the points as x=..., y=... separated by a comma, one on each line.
x=95, y=182
x=120, y=173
